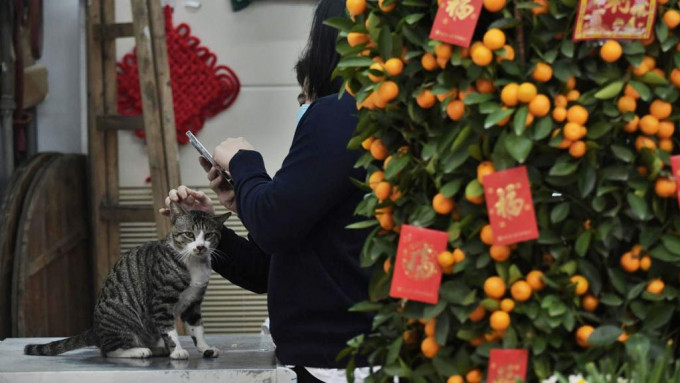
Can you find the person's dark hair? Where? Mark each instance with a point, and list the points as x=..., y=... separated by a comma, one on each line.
x=319, y=58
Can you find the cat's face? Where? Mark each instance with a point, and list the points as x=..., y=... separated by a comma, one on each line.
x=195, y=233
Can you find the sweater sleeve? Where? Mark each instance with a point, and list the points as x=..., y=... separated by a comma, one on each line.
x=314, y=177
x=242, y=262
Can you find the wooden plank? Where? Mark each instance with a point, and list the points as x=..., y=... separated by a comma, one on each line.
x=115, y=122
x=150, y=105
x=132, y=213
x=112, y=31
x=110, y=108
x=97, y=144
x=160, y=52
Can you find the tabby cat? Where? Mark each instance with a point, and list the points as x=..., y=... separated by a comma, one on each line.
x=147, y=289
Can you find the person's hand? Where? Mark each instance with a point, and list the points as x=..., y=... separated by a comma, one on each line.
x=224, y=191
x=189, y=199
x=227, y=149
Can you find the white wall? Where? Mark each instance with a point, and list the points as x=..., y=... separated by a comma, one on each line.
x=261, y=44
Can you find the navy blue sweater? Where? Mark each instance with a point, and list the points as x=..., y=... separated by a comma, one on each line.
x=298, y=250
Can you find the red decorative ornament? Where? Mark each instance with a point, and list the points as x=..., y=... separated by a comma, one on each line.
x=200, y=87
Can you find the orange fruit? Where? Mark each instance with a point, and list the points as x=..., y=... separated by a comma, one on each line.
x=458, y=255
x=577, y=149
x=675, y=77
x=457, y=378
x=499, y=320
x=376, y=67
x=375, y=179
x=509, y=94
x=410, y=337
x=539, y=106
x=581, y=284
x=645, y=263
x=542, y=7
x=509, y=54
x=559, y=114
x=463, y=93
x=383, y=191
x=649, y=125
x=573, y=95
x=482, y=56
x=641, y=69
x=445, y=259
x=355, y=38
x=387, y=265
x=655, y=286
x=626, y=104
x=572, y=131
x=623, y=338
x=507, y=305
x=577, y=114
x=486, y=235
x=378, y=150
x=521, y=291
x=443, y=50
x=665, y=187
x=494, y=5
x=494, y=39
x=671, y=18
x=666, y=144
x=428, y=61
x=632, y=125
x=526, y=92
x=494, y=287
x=611, y=51
x=543, y=72
x=478, y=341
x=441, y=204
x=474, y=376
x=366, y=144
x=429, y=347
x=631, y=92
x=386, y=8
x=426, y=99
x=388, y=91
x=582, y=335
x=455, y=110
x=590, y=302
x=666, y=129
x=629, y=262
x=644, y=142
x=355, y=7
x=478, y=314
x=499, y=253
x=430, y=327
x=386, y=221
x=394, y=66
x=484, y=85
x=561, y=101
x=453, y=93
x=660, y=109
x=535, y=280
x=571, y=83
x=484, y=169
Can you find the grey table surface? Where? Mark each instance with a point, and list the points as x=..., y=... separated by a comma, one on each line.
x=243, y=358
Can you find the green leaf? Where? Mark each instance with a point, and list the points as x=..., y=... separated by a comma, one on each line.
x=342, y=23
x=610, y=91
x=582, y=243
x=653, y=79
x=599, y=129
x=543, y=128
x=519, y=123
x=672, y=243
x=477, y=98
x=559, y=212
x=633, y=48
x=623, y=153
x=658, y=316
x=394, y=349
x=362, y=224
x=638, y=206
x=518, y=147
x=611, y=300
x=397, y=164
x=563, y=168
x=451, y=187
x=366, y=306
x=385, y=41
x=604, y=335
x=355, y=62
x=474, y=189
x=496, y=117
x=642, y=89
x=413, y=18
x=567, y=48
x=635, y=291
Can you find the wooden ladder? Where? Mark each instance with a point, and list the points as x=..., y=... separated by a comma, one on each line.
x=158, y=122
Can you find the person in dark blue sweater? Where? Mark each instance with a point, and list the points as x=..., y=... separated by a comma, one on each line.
x=298, y=250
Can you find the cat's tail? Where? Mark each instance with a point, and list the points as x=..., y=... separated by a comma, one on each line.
x=60, y=346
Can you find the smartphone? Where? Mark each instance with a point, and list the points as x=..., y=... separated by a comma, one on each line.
x=206, y=154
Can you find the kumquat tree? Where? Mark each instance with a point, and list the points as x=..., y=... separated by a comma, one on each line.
x=593, y=121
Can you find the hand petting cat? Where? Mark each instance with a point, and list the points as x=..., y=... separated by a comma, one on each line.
x=189, y=199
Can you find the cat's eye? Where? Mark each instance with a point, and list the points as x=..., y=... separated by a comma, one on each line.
x=188, y=234
x=210, y=236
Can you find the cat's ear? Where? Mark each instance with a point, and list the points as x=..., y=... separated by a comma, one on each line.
x=221, y=219
x=176, y=210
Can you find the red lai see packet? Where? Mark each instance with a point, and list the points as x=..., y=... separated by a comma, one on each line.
x=507, y=365
x=456, y=21
x=510, y=206
x=417, y=274
x=615, y=19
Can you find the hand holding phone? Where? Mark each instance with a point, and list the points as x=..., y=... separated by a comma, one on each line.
x=206, y=154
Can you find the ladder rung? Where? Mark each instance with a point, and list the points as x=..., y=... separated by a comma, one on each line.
x=112, y=31
x=124, y=213
x=115, y=122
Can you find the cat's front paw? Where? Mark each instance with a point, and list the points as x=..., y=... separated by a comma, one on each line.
x=211, y=352
x=179, y=354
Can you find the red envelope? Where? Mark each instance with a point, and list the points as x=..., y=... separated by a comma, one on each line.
x=417, y=274
x=456, y=21
x=510, y=206
x=675, y=166
x=507, y=365
x=619, y=20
